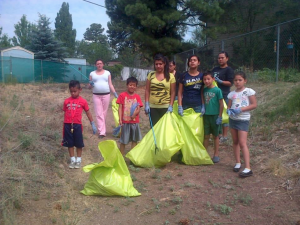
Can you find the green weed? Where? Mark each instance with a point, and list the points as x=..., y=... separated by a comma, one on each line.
x=224, y=209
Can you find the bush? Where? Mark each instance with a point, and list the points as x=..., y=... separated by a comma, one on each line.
x=114, y=70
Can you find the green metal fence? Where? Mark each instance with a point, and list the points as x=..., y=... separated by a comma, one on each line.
x=22, y=70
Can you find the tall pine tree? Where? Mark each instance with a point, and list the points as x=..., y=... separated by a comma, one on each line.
x=156, y=26
x=43, y=43
x=64, y=28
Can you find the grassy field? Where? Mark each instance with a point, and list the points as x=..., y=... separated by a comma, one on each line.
x=37, y=187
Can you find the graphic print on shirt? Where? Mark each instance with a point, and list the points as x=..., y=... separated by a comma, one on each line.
x=194, y=81
x=72, y=108
x=158, y=90
x=127, y=106
x=242, y=101
x=208, y=96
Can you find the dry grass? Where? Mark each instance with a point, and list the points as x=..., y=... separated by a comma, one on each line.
x=31, y=126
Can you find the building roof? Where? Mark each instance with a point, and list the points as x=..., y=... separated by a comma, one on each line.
x=16, y=48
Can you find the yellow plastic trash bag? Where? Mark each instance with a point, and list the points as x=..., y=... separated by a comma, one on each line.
x=169, y=141
x=115, y=110
x=192, y=132
x=225, y=117
x=110, y=177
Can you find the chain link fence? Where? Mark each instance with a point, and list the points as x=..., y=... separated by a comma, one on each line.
x=268, y=54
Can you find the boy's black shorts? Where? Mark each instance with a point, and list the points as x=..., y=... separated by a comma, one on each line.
x=72, y=139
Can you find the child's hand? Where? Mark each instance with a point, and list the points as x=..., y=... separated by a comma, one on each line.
x=219, y=120
x=94, y=127
x=236, y=111
x=202, y=110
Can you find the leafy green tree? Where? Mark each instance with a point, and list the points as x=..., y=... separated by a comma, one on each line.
x=5, y=41
x=23, y=31
x=64, y=28
x=43, y=43
x=93, y=51
x=95, y=34
x=156, y=26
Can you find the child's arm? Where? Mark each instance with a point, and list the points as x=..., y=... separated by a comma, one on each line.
x=89, y=115
x=221, y=107
x=120, y=114
x=253, y=104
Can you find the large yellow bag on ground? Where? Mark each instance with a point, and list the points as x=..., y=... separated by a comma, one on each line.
x=192, y=132
x=110, y=177
x=169, y=141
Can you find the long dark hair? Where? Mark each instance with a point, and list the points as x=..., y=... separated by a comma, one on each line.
x=164, y=59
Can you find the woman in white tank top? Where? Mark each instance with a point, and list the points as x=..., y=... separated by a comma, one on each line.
x=100, y=81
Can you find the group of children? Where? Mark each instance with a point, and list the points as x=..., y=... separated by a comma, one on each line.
x=241, y=101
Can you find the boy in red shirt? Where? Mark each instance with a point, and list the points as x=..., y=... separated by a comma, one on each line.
x=129, y=109
x=72, y=131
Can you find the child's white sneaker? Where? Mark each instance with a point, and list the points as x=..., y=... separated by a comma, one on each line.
x=77, y=165
x=72, y=165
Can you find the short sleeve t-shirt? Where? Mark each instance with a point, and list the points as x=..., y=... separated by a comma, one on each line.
x=241, y=99
x=101, y=85
x=211, y=98
x=73, y=108
x=160, y=91
x=127, y=100
x=191, y=89
x=226, y=74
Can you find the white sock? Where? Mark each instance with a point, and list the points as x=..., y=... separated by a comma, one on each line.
x=246, y=170
x=237, y=165
x=78, y=159
x=73, y=159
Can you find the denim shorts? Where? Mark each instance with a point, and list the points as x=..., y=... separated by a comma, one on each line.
x=242, y=125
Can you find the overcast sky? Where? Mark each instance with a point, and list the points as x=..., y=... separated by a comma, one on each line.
x=83, y=13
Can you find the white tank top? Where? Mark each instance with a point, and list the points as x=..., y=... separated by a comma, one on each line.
x=100, y=82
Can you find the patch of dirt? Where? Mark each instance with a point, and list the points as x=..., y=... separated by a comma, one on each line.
x=174, y=194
